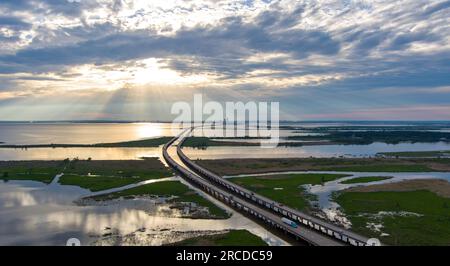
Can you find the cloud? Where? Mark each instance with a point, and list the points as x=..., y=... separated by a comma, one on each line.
x=13, y=22
x=438, y=7
x=414, y=113
x=403, y=40
x=234, y=39
x=16, y=4
x=64, y=7
x=323, y=50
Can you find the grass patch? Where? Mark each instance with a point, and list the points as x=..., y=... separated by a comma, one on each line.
x=381, y=168
x=286, y=189
x=370, y=136
x=98, y=183
x=41, y=171
x=431, y=228
x=101, y=175
x=151, y=168
x=167, y=189
x=44, y=178
x=256, y=166
x=105, y=174
x=365, y=179
x=232, y=238
x=204, y=142
x=155, y=142
x=416, y=154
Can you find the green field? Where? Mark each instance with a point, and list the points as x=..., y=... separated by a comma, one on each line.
x=432, y=227
x=286, y=189
x=98, y=183
x=395, y=168
x=41, y=171
x=44, y=178
x=167, y=189
x=155, y=142
x=204, y=142
x=365, y=179
x=151, y=168
x=232, y=238
x=264, y=165
x=93, y=175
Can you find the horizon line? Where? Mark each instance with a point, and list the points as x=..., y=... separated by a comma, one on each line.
x=165, y=121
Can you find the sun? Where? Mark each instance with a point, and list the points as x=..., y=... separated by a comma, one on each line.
x=148, y=130
x=152, y=71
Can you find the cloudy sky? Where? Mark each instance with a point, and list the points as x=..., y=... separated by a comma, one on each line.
x=131, y=59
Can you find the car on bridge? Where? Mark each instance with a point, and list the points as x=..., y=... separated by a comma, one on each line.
x=289, y=222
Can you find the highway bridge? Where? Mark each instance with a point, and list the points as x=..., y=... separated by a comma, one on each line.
x=311, y=230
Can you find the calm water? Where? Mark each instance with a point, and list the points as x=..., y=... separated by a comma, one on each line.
x=91, y=133
x=78, y=133
x=218, y=152
x=308, y=151
x=28, y=133
x=81, y=153
x=32, y=213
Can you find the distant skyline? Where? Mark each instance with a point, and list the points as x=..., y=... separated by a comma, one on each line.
x=130, y=60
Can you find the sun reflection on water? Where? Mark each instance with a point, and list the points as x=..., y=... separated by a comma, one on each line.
x=148, y=130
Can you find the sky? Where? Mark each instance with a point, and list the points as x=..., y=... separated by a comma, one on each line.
x=132, y=59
